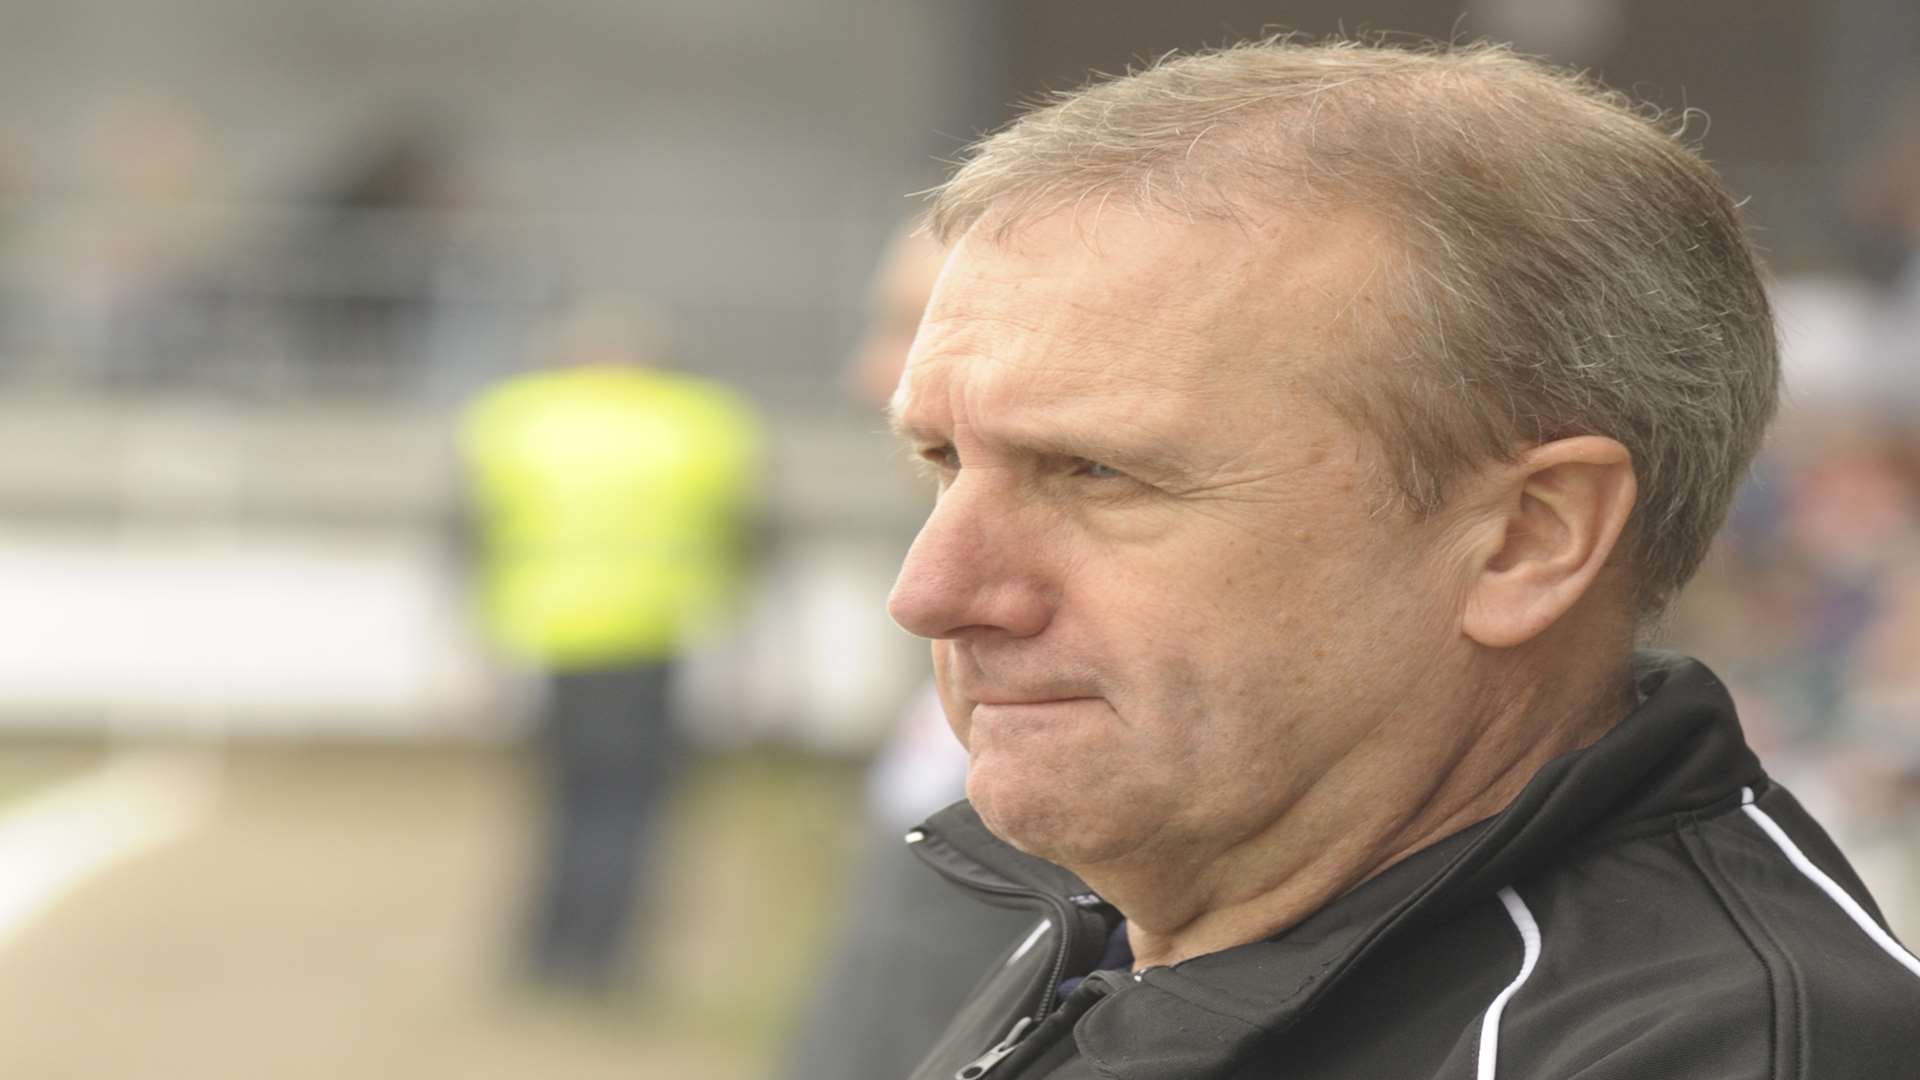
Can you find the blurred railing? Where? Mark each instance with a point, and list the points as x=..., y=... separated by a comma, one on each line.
x=264, y=302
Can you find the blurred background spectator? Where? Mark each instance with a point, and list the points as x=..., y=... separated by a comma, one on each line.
x=261, y=809
x=613, y=502
x=371, y=260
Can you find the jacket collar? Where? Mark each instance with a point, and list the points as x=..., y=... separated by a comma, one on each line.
x=1680, y=752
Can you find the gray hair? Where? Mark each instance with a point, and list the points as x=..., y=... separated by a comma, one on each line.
x=1565, y=263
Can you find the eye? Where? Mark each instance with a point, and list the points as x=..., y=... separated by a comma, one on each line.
x=943, y=457
x=1094, y=470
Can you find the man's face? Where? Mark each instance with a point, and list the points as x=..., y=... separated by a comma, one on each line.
x=1163, y=601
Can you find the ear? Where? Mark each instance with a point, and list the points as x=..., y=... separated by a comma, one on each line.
x=1555, y=517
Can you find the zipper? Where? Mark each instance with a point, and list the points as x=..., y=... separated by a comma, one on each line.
x=1065, y=913
x=1062, y=914
x=1098, y=986
x=984, y=1064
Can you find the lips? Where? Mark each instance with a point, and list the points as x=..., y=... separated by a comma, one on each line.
x=980, y=692
x=995, y=684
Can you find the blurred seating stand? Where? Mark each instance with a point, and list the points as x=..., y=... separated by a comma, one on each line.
x=254, y=302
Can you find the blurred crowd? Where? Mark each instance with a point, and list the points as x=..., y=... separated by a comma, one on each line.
x=1810, y=608
x=371, y=269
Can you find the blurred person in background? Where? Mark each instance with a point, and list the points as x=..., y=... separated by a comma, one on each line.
x=369, y=264
x=892, y=987
x=1318, y=430
x=612, y=503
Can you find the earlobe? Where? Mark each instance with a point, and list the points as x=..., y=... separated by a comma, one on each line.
x=1561, y=510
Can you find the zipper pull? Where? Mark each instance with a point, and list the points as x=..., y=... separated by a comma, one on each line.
x=980, y=1066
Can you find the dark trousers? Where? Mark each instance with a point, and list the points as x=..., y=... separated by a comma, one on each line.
x=611, y=755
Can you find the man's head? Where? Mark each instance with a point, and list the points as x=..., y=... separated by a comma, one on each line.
x=1556, y=262
x=1275, y=395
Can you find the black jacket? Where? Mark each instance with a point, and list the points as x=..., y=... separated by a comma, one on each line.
x=1649, y=908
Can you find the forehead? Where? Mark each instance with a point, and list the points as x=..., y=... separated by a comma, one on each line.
x=1129, y=318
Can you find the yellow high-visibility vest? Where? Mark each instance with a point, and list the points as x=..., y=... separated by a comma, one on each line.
x=611, y=500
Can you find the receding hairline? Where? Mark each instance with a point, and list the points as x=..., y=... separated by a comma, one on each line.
x=1244, y=155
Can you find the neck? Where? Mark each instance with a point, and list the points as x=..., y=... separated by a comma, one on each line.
x=1396, y=792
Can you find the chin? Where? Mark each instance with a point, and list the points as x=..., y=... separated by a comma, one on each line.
x=1049, y=818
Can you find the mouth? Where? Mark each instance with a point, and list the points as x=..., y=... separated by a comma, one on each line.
x=1031, y=707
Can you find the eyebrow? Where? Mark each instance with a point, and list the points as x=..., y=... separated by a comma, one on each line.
x=1153, y=461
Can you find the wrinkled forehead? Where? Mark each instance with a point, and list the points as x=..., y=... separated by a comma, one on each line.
x=1124, y=302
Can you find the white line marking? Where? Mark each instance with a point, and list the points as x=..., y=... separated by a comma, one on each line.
x=1827, y=885
x=1025, y=946
x=1530, y=942
x=54, y=841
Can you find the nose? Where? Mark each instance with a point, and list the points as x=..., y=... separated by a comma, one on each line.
x=973, y=571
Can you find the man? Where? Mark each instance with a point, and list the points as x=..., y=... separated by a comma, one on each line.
x=1316, y=429
x=612, y=499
